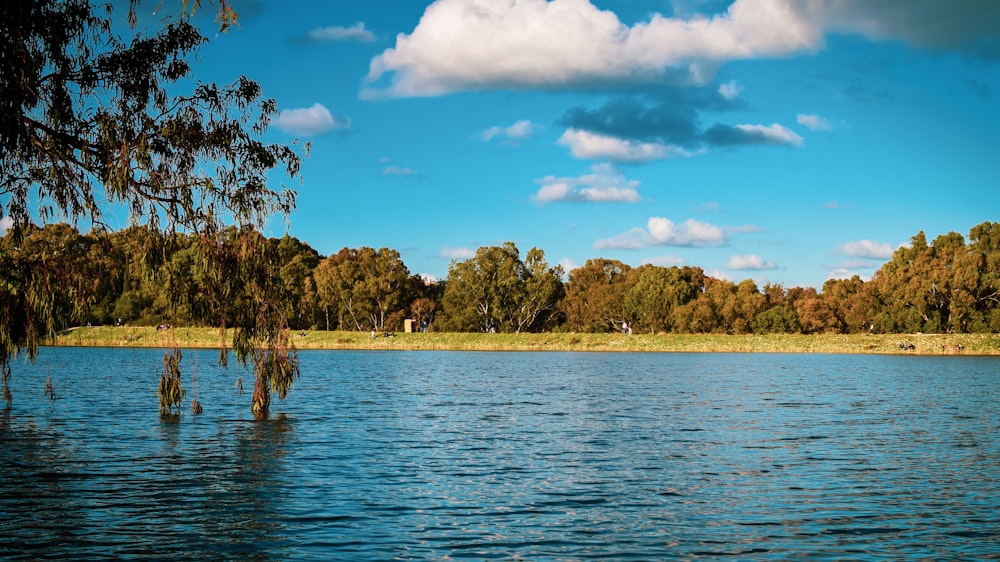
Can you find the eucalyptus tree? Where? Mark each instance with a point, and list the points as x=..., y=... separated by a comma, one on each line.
x=984, y=249
x=496, y=291
x=364, y=284
x=814, y=312
x=657, y=293
x=295, y=263
x=916, y=295
x=327, y=296
x=595, y=294
x=385, y=285
x=92, y=118
x=853, y=303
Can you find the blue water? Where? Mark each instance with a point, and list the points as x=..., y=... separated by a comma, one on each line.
x=534, y=456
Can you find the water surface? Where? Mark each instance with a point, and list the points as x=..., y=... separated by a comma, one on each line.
x=537, y=456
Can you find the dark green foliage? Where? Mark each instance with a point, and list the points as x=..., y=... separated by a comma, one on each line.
x=496, y=291
x=87, y=123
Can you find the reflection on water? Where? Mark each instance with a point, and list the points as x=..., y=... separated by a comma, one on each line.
x=428, y=455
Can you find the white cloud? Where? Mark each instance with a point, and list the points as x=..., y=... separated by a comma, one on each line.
x=665, y=261
x=463, y=45
x=772, y=134
x=310, y=121
x=730, y=90
x=398, y=171
x=356, y=32
x=660, y=231
x=865, y=249
x=749, y=261
x=498, y=44
x=605, y=184
x=842, y=273
x=5, y=224
x=860, y=263
x=586, y=145
x=519, y=131
x=813, y=122
x=718, y=274
x=568, y=264
x=457, y=253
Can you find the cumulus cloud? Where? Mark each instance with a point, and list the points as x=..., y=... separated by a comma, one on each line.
x=749, y=262
x=813, y=122
x=541, y=44
x=587, y=145
x=568, y=43
x=671, y=117
x=669, y=260
x=630, y=129
x=5, y=224
x=661, y=231
x=519, y=131
x=865, y=249
x=774, y=134
x=604, y=184
x=846, y=273
x=310, y=121
x=336, y=34
x=457, y=253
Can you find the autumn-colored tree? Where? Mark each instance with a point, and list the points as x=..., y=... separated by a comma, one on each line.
x=814, y=313
x=595, y=296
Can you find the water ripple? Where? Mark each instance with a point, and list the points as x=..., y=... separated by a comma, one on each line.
x=557, y=456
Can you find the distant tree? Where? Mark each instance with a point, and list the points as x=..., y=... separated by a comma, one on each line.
x=917, y=285
x=984, y=250
x=657, y=293
x=296, y=262
x=495, y=290
x=814, y=313
x=369, y=286
x=852, y=302
x=327, y=292
x=595, y=296
x=747, y=303
x=781, y=319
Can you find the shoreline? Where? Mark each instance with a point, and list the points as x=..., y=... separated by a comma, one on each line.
x=878, y=344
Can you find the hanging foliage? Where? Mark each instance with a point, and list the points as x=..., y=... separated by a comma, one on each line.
x=171, y=392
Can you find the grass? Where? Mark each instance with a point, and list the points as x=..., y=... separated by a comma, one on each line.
x=925, y=344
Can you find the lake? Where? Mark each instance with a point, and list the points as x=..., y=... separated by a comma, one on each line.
x=535, y=456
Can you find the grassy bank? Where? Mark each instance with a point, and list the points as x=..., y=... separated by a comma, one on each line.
x=924, y=344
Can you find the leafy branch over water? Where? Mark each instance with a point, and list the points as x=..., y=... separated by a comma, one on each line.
x=89, y=121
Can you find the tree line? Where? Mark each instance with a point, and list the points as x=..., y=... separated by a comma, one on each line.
x=144, y=276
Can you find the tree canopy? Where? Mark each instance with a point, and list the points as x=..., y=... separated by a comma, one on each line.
x=93, y=118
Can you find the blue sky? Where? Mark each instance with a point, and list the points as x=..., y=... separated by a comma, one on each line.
x=785, y=141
